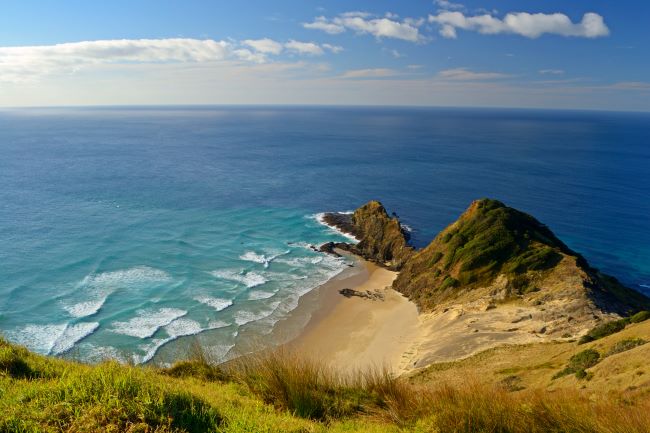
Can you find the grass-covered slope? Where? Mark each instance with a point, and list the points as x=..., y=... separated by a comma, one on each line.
x=492, y=244
x=615, y=364
x=279, y=392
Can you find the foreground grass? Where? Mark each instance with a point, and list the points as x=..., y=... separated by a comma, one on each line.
x=280, y=392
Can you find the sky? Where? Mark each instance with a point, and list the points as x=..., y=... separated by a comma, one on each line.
x=579, y=54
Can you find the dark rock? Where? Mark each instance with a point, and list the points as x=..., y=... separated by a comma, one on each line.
x=374, y=296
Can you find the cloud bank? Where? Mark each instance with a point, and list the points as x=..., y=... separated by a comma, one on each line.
x=364, y=23
x=19, y=64
x=521, y=23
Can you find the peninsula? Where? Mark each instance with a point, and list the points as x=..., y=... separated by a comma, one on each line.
x=496, y=325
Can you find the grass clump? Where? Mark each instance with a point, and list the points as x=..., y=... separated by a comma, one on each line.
x=197, y=365
x=639, y=317
x=279, y=391
x=579, y=363
x=305, y=387
x=625, y=345
x=603, y=330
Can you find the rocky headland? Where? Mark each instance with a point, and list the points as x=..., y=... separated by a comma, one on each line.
x=494, y=276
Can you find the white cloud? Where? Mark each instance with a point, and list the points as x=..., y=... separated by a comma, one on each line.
x=464, y=74
x=24, y=63
x=521, y=23
x=250, y=56
x=266, y=45
x=362, y=23
x=447, y=5
x=369, y=73
x=332, y=48
x=21, y=64
x=551, y=71
x=322, y=23
x=309, y=48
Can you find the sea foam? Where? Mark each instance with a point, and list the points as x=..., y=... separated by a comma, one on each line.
x=320, y=218
x=136, y=276
x=52, y=339
x=249, y=279
x=71, y=335
x=147, y=322
x=263, y=259
x=181, y=327
x=218, y=304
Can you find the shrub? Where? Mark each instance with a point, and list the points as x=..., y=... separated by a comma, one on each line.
x=639, y=317
x=603, y=330
x=448, y=282
x=579, y=363
x=625, y=345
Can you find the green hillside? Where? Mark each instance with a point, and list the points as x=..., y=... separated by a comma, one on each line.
x=279, y=392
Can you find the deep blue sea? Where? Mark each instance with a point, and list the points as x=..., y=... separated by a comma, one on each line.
x=125, y=229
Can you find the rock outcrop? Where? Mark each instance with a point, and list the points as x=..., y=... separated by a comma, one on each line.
x=382, y=239
x=491, y=255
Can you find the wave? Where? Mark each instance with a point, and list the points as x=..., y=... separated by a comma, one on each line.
x=263, y=259
x=243, y=317
x=86, y=308
x=147, y=322
x=52, y=339
x=124, y=278
x=96, y=288
x=257, y=295
x=104, y=353
x=71, y=335
x=181, y=327
x=217, y=303
x=320, y=218
x=299, y=262
x=39, y=338
x=249, y=279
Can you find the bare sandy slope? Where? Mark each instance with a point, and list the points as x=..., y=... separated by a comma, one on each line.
x=384, y=328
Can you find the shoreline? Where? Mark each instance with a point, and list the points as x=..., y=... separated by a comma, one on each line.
x=354, y=333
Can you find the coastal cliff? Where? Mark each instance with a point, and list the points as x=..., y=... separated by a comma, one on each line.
x=382, y=239
x=494, y=254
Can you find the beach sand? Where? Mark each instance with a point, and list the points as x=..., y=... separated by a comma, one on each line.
x=352, y=333
x=356, y=332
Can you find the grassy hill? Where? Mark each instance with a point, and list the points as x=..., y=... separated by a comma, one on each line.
x=494, y=246
x=280, y=392
x=601, y=384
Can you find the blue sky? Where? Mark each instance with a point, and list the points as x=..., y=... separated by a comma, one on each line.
x=525, y=53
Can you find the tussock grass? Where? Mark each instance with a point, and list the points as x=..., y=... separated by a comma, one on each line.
x=625, y=345
x=604, y=330
x=280, y=391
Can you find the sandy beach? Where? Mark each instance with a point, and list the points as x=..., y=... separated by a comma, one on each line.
x=384, y=329
x=360, y=332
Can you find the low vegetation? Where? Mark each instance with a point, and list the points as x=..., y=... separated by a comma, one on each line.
x=281, y=392
x=579, y=363
x=603, y=330
x=612, y=327
x=625, y=345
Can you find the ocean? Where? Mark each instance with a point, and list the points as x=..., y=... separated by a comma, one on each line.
x=128, y=232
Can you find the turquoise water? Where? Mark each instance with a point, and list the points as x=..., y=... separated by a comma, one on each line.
x=124, y=230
